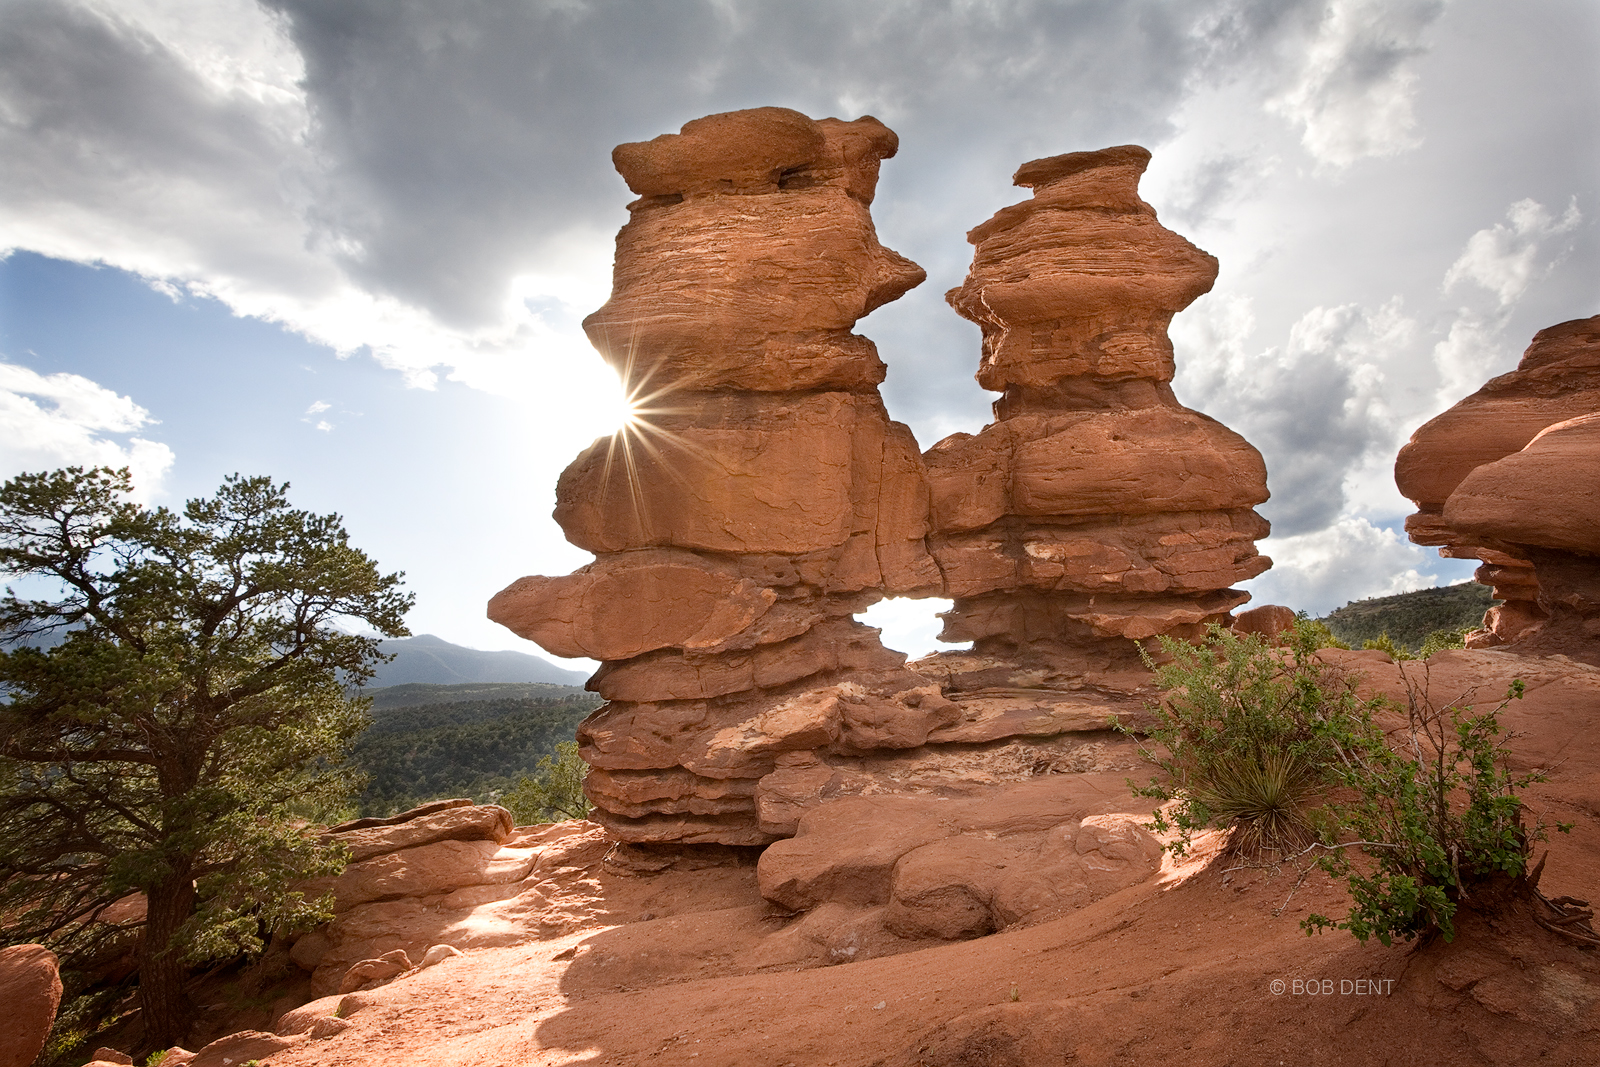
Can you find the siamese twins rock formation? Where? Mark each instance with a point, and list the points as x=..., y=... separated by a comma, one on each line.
x=1511, y=476
x=763, y=496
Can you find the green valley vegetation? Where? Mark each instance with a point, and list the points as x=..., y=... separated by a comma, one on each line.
x=1410, y=618
x=477, y=741
x=188, y=722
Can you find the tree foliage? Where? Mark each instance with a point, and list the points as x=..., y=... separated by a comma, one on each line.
x=194, y=701
x=554, y=792
x=1409, y=619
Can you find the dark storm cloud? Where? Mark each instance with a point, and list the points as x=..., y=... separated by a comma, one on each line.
x=1317, y=407
x=458, y=135
x=387, y=173
x=100, y=117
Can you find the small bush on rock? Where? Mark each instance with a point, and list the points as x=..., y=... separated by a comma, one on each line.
x=1440, y=817
x=1441, y=640
x=1385, y=644
x=1276, y=747
x=1249, y=737
x=1315, y=630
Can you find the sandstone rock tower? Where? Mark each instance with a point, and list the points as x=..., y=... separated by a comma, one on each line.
x=762, y=498
x=1511, y=476
x=1095, y=509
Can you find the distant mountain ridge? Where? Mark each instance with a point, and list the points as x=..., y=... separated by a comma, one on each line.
x=1408, y=618
x=429, y=660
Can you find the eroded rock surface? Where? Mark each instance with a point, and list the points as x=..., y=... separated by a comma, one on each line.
x=1096, y=511
x=30, y=989
x=1511, y=476
x=946, y=869
x=444, y=877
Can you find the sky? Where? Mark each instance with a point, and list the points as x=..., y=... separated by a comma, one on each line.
x=348, y=243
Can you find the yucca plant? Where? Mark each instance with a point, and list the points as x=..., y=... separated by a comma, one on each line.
x=1266, y=797
x=1243, y=739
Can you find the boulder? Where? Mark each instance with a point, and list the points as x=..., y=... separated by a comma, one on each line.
x=373, y=972
x=413, y=872
x=30, y=988
x=301, y=1020
x=462, y=821
x=954, y=867
x=438, y=954
x=1547, y=494
x=239, y=1048
x=1268, y=620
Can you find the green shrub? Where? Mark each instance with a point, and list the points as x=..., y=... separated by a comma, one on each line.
x=1440, y=640
x=1440, y=818
x=1249, y=737
x=1316, y=631
x=554, y=792
x=1383, y=643
x=1276, y=747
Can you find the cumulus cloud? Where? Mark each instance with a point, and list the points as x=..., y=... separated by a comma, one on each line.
x=174, y=141
x=1317, y=407
x=62, y=420
x=1354, y=97
x=1351, y=559
x=425, y=181
x=431, y=184
x=1505, y=258
x=1494, y=271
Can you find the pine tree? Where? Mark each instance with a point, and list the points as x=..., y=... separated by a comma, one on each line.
x=176, y=695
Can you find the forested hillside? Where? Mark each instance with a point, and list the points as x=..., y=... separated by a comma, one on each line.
x=1409, y=618
x=415, y=693
x=450, y=747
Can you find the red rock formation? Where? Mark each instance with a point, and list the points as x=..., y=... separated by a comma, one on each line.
x=1096, y=511
x=1271, y=621
x=428, y=882
x=1511, y=476
x=30, y=988
x=763, y=496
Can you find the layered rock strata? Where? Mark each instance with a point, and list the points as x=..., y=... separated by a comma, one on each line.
x=1096, y=512
x=762, y=496
x=450, y=874
x=1511, y=476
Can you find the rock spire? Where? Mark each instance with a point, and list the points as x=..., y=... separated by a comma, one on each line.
x=1096, y=509
x=762, y=496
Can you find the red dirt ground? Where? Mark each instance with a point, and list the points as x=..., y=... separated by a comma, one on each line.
x=1198, y=967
